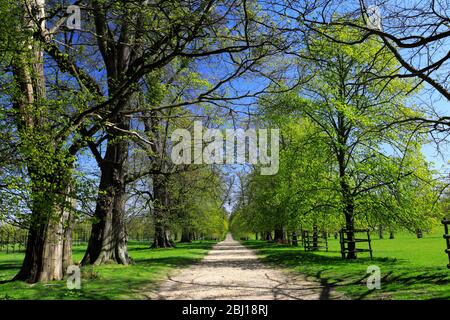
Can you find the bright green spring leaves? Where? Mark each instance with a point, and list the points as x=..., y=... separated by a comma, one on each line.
x=344, y=128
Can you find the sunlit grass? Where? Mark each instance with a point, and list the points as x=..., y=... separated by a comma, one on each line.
x=105, y=282
x=411, y=268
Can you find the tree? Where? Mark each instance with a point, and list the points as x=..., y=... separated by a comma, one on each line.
x=351, y=112
x=48, y=160
x=341, y=160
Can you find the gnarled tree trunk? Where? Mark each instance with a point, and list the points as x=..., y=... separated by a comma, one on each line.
x=49, y=244
x=108, y=241
x=48, y=247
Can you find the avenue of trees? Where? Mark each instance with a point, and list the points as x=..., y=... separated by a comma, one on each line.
x=87, y=114
x=109, y=96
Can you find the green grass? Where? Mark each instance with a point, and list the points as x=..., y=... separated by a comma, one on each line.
x=107, y=281
x=411, y=268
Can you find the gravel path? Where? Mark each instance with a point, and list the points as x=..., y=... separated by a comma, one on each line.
x=232, y=271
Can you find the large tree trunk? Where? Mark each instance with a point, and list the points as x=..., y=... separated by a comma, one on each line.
x=351, y=246
x=279, y=235
x=48, y=249
x=186, y=235
x=108, y=241
x=68, y=219
x=346, y=192
x=162, y=239
x=160, y=213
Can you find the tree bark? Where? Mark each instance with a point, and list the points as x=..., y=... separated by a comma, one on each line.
x=48, y=249
x=279, y=235
x=108, y=240
x=68, y=218
x=160, y=213
x=185, y=235
x=347, y=196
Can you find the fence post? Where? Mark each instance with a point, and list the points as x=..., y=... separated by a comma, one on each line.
x=370, y=245
x=315, y=238
x=446, y=222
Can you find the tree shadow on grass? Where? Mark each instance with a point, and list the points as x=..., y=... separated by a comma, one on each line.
x=397, y=275
x=192, y=245
x=108, y=283
x=8, y=265
x=169, y=261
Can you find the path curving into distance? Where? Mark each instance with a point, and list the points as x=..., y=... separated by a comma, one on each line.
x=232, y=271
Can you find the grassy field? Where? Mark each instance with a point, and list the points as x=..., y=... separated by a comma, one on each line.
x=411, y=268
x=108, y=281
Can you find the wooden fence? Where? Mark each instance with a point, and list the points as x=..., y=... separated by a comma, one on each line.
x=314, y=240
x=344, y=240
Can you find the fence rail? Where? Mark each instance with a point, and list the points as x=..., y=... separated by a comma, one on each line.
x=344, y=240
x=314, y=240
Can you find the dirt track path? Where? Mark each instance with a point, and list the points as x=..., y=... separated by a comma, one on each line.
x=232, y=271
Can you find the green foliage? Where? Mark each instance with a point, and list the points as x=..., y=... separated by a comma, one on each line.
x=197, y=203
x=410, y=268
x=344, y=153
x=108, y=281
